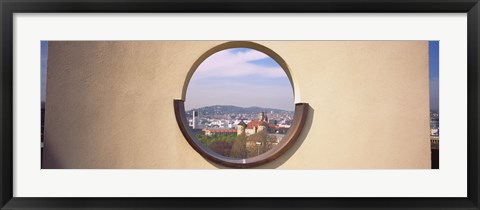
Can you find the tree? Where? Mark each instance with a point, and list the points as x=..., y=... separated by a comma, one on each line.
x=221, y=147
x=266, y=142
x=239, y=147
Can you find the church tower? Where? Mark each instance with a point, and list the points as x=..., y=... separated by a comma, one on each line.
x=262, y=117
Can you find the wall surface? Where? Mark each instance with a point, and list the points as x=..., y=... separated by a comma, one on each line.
x=110, y=104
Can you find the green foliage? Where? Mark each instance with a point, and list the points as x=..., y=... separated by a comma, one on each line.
x=231, y=145
x=221, y=143
x=207, y=140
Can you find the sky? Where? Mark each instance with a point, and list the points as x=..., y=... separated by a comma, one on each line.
x=241, y=77
x=43, y=66
x=246, y=77
x=434, y=74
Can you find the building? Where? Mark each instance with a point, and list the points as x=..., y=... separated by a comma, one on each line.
x=256, y=126
x=241, y=126
x=217, y=131
x=195, y=119
x=434, y=139
x=69, y=121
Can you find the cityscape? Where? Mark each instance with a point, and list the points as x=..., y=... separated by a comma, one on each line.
x=238, y=103
x=434, y=138
x=238, y=132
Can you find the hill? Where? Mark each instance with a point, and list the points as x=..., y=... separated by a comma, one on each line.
x=229, y=109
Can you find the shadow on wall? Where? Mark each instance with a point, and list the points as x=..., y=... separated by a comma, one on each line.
x=48, y=159
x=289, y=153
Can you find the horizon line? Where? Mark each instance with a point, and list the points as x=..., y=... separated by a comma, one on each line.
x=243, y=107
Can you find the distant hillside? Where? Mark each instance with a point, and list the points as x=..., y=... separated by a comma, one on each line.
x=228, y=109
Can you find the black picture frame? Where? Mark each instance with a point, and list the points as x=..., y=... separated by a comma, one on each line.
x=9, y=7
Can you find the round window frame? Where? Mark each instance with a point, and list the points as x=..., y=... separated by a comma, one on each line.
x=299, y=119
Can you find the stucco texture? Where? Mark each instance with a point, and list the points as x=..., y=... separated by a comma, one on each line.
x=110, y=104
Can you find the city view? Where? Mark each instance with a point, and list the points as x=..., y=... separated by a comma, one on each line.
x=433, y=64
x=239, y=132
x=252, y=108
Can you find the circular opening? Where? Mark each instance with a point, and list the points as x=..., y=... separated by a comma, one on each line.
x=238, y=108
x=239, y=103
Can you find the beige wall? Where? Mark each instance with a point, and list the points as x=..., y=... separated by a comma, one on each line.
x=110, y=104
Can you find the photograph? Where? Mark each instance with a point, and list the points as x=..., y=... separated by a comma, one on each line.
x=235, y=104
x=192, y=104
